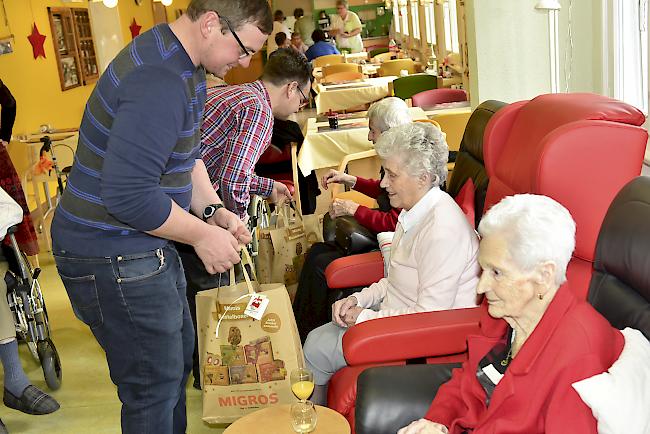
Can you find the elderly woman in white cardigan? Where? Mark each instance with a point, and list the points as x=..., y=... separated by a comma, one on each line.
x=433, y=262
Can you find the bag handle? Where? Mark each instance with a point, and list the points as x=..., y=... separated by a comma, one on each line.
x=249, y=285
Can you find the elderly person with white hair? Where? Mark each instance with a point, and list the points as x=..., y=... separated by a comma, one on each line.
x=538, y=338
x=433, y=262
x=312, y=303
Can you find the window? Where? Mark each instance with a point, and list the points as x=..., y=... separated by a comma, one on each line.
x=415, y=19
x=631, y=52
x=73, y=46
x=396, y=17
x=403, y=16
x=430, y=17
x=451, y=26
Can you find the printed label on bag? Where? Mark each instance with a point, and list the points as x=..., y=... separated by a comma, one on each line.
x=256, y=306
x=271, y=323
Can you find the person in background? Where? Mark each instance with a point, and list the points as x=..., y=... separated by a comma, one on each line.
x=321, y=47
x=282, y=41
x=278, y=26
x=19, y=393
x=538, y=338
x=9, y=179
x=433, y=260
x=236, y=130
x=137, y=175
x=297, y=44
x=304, y=26
x=346, y=26
x=312, y=303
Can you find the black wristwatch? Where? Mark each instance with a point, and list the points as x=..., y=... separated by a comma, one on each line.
x=211, y=210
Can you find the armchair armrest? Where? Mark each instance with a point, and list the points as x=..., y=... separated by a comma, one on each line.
x=357, y=270
x=404, y=337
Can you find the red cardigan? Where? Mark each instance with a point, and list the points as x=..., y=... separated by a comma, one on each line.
x=375, y=220
x=571, y=342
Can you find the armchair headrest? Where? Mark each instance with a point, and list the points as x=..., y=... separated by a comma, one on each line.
x=620, y=285
x=469, y=160
x=579, y=149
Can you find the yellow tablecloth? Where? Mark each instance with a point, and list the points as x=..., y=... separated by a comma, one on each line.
x=327, y=149
x=344, y=96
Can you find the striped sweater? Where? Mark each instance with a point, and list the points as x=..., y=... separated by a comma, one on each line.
x=138, y=141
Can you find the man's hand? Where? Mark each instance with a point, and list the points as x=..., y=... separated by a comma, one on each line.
x=424, y=426
x=280, y=193
x=341, y=207
x=350, y=317
x=340, y=308
x=4, y=144
x=233, y=224
x=218, y=249
x=336, y=177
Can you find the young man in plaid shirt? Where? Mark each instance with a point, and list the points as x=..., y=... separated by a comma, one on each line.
x=238, y=124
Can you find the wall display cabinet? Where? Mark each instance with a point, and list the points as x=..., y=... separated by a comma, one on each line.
x=73, y=46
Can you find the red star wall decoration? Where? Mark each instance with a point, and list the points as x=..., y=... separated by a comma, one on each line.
x=135, y=28
x=37, y=40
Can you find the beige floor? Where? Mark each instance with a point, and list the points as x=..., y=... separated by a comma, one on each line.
x=88, y=398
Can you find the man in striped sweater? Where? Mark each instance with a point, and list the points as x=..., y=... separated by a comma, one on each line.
x=137, y=174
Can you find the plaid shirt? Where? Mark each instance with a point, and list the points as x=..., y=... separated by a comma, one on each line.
x=236, y=130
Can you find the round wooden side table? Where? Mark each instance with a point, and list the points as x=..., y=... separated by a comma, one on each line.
x=276, y=420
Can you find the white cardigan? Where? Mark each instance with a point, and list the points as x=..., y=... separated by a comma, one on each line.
x=10, y=213
x=433, y=264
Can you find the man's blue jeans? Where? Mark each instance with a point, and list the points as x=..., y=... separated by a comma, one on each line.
x=136, y=307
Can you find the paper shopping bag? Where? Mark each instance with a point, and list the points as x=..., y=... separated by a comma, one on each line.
x=245, y=362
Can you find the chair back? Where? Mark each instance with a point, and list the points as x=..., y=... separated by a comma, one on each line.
x=340, y=77
x=432, y=97
x=393, y=67
x=340, y=67
x=406, y=87
x=579, y=149
x=620, y=285
x=329, y=59
x=469, y=159
x=372, y=53
x=383, y=57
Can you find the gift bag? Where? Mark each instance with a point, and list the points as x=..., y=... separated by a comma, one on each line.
x=282, y=248
x=246, y=362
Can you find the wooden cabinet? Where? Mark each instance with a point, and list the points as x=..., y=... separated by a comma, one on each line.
x=73, y=46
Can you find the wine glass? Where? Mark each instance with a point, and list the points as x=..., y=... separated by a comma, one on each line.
x=302, y=383
x=303, y=416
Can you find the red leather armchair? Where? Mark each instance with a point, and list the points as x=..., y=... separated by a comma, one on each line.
x=579, y=149
x=432, y=97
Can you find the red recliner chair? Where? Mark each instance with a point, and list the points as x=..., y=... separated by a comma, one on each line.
x=579, y=149
x=432, y=97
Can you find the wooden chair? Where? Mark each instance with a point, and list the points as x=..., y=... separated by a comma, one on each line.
x=342, y=77
x=340, y=67
x=393, y=67
x=382, y=57
x=330, y=59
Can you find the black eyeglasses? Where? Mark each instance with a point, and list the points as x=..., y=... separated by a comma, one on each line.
x=304, y=100
x=245, y=53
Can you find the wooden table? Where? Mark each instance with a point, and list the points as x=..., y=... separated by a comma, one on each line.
x=277, y=420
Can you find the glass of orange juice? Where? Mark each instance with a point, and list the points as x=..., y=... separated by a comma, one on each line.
x=302, y=383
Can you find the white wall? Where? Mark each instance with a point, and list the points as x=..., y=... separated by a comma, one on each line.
x=508, y=50
x=107, y=32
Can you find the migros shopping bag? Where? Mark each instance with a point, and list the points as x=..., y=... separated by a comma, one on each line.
x=245, y=362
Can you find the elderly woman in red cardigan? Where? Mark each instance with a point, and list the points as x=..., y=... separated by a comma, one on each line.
x=538, y=339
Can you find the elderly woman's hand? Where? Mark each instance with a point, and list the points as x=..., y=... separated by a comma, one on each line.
x=424, y=426
x=341, y=207
x=336, y=177
x=340, y=309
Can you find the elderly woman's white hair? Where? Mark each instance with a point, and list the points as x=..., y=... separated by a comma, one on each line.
x=388, y=113
x=420, y=146
x=537, y=228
